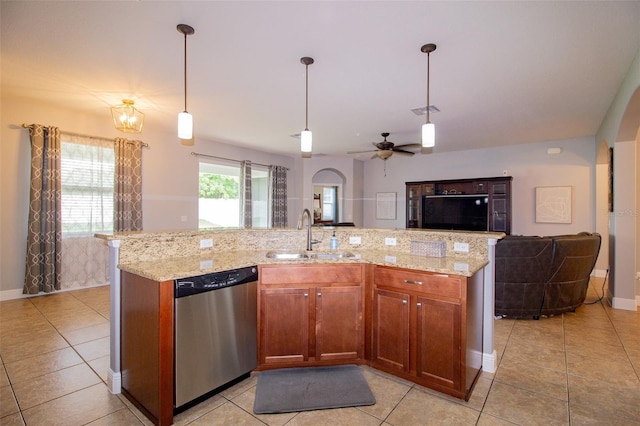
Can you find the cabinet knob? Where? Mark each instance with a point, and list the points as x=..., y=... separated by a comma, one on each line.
x=319, y=294
x=413, y=282
x=306, y=295
x=419, y=305
x=404, y=302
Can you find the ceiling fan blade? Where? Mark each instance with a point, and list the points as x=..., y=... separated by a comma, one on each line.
x=374, y=155
x=403, y=152
x=409, y=146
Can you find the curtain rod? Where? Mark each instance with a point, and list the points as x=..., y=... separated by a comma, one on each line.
x=197, y=154
x=84, y=135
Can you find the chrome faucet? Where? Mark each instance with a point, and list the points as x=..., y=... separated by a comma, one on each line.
x=310, y=241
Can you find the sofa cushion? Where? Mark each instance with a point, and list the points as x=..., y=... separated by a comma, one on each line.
x=521, y=271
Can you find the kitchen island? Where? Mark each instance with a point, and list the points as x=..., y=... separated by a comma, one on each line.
x=151, y=261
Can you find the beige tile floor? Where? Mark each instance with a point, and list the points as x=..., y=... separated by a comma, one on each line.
x=572, y=369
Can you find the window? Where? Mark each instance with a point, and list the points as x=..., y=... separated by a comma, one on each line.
x=87, y=178
x=220, y=200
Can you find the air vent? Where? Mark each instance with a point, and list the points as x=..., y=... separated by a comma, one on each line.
x=423, y=110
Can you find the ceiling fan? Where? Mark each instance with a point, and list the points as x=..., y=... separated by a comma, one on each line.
x=385, y=149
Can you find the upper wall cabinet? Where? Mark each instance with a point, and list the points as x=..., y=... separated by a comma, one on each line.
x=482, y=204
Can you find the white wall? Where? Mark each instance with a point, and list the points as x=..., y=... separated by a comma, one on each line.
x=621, y=124
x=169, y=172
x=529, y=164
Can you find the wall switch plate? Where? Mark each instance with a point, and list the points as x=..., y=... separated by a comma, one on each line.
x=207, y=243
x=461, y=247
x=390, y=241
x=355, y=240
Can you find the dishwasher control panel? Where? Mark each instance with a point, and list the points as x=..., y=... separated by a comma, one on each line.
x=214, y=281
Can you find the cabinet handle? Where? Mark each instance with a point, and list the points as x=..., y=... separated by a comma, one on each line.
x=306, y=295
x=419, y=305
x=413, y=282
x=319, y=294
x=404, y=302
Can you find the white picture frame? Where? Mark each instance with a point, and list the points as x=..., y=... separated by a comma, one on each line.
x=386, y=205
x=553, y=204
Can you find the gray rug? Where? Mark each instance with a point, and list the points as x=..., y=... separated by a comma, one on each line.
x=312, y=388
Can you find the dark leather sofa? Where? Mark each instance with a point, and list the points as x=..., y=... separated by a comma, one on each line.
x=543, y=275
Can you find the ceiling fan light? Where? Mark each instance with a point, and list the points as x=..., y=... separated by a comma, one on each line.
x=428, y=135
x=185, y=125
x=306, y=143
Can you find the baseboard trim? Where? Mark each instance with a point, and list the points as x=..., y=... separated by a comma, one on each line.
x=599, y=273
x=626, y=304
x=114, y=381
x=489, y=362
x=16, y=293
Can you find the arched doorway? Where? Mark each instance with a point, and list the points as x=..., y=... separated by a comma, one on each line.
x=328, y=196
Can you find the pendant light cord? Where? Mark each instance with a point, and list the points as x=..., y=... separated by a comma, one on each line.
x=185, y=72
x=428, y=56
x=306, y=95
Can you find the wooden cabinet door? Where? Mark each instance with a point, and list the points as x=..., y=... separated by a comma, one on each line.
x=339, y=323
x=500, y=206
x=414, y=206
x=284, y=325
x=439, y=344
x=391, y=329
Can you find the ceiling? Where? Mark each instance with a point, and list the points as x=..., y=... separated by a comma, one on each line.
x=503, y=73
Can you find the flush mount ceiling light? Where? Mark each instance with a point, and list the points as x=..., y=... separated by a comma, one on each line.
x=428, y=129
x=127, y=118
x=306, y=141
x=185, y=120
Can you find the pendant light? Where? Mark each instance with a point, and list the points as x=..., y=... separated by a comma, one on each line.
x=185, y=120
x=428, y=129
x=127, y=118
x=306, y=141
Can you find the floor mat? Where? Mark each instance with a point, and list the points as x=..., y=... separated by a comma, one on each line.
x=312, y=388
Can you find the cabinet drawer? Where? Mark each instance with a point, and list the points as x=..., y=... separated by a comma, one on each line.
x=312, y=274
x=422, y=282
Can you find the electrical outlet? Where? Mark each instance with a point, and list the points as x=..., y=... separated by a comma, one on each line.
x=390, y=241
x=355, y=240
x=461, y=247
x=208, y=243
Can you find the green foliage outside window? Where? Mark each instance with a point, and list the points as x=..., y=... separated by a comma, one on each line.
x=219, y=186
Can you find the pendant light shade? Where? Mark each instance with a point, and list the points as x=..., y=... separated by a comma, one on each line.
x=428, y=135
x=306, y=139
x=185, y=125
x=185, y=120
x=127, y=118
x=428, y=129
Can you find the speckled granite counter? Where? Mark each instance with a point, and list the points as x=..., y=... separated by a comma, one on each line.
x=169, y=255
x=182, y=267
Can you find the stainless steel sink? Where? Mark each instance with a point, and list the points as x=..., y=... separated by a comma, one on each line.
x=332, y=255
x=287, y=255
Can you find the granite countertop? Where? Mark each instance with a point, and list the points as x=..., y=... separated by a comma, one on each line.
x=183, y=267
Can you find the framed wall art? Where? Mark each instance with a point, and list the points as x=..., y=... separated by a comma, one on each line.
x=386, y=205
x=553, y=204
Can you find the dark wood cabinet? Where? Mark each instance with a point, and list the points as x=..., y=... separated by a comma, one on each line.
x=310, y=315
x=497, y=190
x=146, y=353
x=427, y=328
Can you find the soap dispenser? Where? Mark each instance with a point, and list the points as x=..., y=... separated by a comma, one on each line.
x=333, y=241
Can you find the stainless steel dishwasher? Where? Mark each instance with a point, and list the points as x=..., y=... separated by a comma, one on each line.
x=215, y=333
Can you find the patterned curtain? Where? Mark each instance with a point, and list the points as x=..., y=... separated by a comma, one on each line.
x=245, y=193
x=278, y=178
x=127, y=197
x=44, y=233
